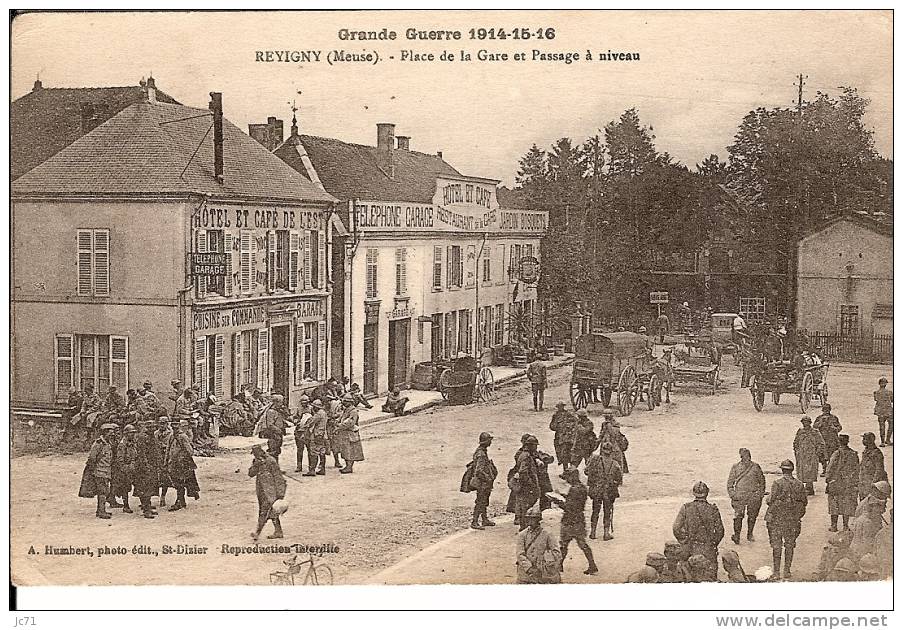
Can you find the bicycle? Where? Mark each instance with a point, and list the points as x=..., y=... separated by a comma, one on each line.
x=293, y=569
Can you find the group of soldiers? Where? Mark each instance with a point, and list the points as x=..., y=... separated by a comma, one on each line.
x=143, y=461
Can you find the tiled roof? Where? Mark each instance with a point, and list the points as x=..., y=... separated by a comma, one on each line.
x=163, y=148
x=351, y=171
x=46, y=120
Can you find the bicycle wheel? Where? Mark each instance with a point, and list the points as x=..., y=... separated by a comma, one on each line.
x=314, y=579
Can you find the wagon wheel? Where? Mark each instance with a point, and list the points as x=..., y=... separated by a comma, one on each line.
x=807, y=390
x=655, y=395
x=758, y=393
x=579, y=396
x=776, y=398
x=628, y=393
x=443, y=382
x=485, y=384
x=716, y=373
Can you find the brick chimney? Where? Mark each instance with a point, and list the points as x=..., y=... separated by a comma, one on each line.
x=37, y=85
x=216, y=106
x=385, y=147
x=151, y=89
x=404, y=143
x=269, y=134
x=276, y=132
x=439, y=154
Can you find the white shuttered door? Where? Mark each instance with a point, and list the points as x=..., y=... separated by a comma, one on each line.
x=263, y=359
x=321, y=351
x=200, y=364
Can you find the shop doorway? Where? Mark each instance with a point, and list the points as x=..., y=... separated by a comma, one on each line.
x=399, y=352
x=370, y=345
x=281, y=349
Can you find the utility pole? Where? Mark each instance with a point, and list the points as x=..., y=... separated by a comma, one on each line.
x=799, y=98
x=792, y=283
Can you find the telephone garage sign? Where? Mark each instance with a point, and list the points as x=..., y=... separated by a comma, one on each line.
x=209, y=264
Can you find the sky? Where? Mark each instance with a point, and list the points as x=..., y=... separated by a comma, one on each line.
x=699, y=72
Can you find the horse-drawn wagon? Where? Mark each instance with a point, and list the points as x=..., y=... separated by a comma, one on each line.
x=609, y=363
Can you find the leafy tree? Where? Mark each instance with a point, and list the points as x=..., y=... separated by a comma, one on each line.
x=713, y=168
x=629, y=145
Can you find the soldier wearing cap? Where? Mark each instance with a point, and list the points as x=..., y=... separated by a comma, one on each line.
x=270, y=486
x=318, y=445
x=564, y=426
x=842, y=479
x=524, y=478
x=787, y=503
x=871, y=468
x=884, y=409
x=126, y=460
x=603, y=476
x=147, y=480
x=698, y=527
x=302, y=421
x=573, y=521
x=98, y=470
x=809, y=449
x=272, y=425
x=347, y=434
x=482, y=480
x=675, y=569
x=829, y=426
x=746, y=488
x=538, y=551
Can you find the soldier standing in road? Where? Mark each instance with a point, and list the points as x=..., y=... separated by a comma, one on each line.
x=573, y=521
x=536, y=374
x=603, y=476
x=746, y=488
x=809, y=449
x=871, y=468
x=148, y=464
x=127, y=459
x=179, y=464
x=524, y=481
x=301, y=420
x=698, y=527
x=161, y=439
x=842, y=479
x=318, y=438
x=538, y=552
x=829, y=426
x=564, y=425
x=663, y=326
x=585, y=441
x=272, y=425
x=270, y=486
x=610, y=431
x=787, y=503
x=484, y=474
x=884, y=409
x=348, y=435
x=98, y=471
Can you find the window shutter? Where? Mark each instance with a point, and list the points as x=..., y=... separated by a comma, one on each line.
x=246, y=268
x=200, y=364
x=294, y=246
x=227, y=245
x=119, y=362
x=306, y=260
x=236, y=363
x=372, y=271
x=449, y=267
x=401, y=280
x=218, y=366
x=299, y=353
x=85, y=260
x=437, y=267
x=63, y=356
x=321, y=350
x=321, y=260
x=263, y=359
x=101, y=262
x=202, y=248
x=271, y=260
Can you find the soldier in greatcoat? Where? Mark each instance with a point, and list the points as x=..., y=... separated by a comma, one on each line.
x=179, y=464
x=809, y=449
x=829, y=426
x=98, y=471
x=871, y=468
x=270, y=486
x=842, y=479
x=884, y=409
x=603, y=476
x=698, y=527
x=746, y=488
x=585, y=441
x=318, y=437
x=537, y=375
x=523, y=479
x=161, y=435
x=538, y=551
x=148, y=465
x=573, y=521
x=787, y=503
x=302, y=421
x=126, y=460
x=347, y=434
x=482, y=480
x=564, y=426
x=610, y=431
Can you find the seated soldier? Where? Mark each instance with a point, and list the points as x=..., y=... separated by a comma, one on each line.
x=395, y=402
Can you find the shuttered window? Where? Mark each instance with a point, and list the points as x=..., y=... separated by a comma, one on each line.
x=200, y=364
x=201, y=247
x=372, y=263
x=263, y=359
x=321, y=351
x=306, y=262
x=294, y=261
x=455, y=267
x=64, y=376
x=119, y=362
x=437, y=268
x=228, y=246
x=401, y=271
x=246, y=261
x=319, y=242
x=82, y=360
x=487, y=264
x=93, y=262
x=219, y=347
x=499, y=324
